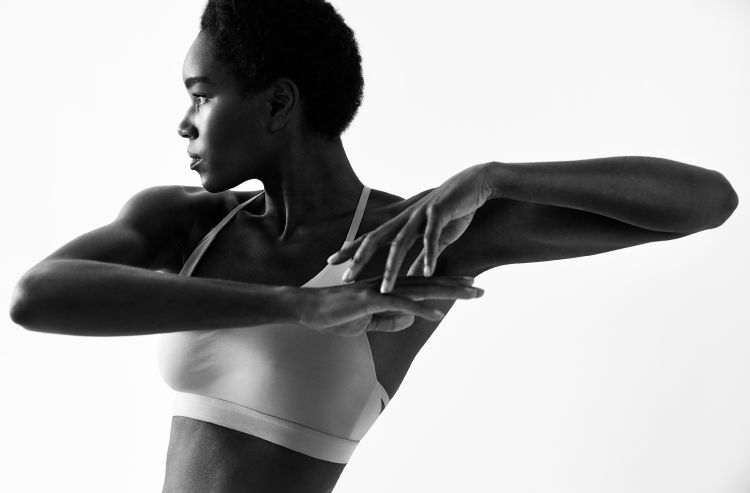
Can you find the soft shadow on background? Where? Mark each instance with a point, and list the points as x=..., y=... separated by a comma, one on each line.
x=621, y=372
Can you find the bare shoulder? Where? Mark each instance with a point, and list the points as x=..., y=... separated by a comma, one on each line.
x=149, y=231
x=178, y=207
x=180, y=215
x=160, y=204
x=387, y=205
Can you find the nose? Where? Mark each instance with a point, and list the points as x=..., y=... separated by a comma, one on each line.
x=186, y=129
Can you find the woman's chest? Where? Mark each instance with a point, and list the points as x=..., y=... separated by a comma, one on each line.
x=243, y=252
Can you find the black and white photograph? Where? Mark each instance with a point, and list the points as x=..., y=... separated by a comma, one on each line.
x=315, y=246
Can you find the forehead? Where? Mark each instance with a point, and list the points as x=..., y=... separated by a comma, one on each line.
x=200, y=61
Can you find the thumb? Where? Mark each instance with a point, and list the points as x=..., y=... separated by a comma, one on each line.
x=390, y=323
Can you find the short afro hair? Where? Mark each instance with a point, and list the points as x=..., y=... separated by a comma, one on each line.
x=304, y=40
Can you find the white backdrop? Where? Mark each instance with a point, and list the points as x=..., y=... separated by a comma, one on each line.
x=622, y=372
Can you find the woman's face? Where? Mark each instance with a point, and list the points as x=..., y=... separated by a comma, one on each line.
x=225, y=128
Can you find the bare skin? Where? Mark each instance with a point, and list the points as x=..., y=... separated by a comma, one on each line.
x=546, y=233
x=534, y=213
x=206, y=457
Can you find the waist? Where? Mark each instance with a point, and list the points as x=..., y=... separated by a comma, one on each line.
x=203, y=456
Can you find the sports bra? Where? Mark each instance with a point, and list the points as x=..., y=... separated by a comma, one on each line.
x=307, y=391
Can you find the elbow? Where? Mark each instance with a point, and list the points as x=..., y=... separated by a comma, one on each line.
x=21, y=305
x=732, y=199
x=725, y=200
x=712, y=203
x=25, y=306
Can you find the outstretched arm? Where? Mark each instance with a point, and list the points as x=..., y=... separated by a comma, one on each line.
x=497, y=213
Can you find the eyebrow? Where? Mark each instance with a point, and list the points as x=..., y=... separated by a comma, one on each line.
x=191, y=81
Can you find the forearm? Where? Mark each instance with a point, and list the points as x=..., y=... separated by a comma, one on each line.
x=83, y=297
x=652, y=193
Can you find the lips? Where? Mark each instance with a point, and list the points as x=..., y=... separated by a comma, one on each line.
x=195, y=159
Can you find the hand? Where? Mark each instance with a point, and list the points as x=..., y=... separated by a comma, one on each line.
x=355, y=308
x=443, y=215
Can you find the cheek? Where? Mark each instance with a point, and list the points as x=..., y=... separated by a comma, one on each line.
x=231, y=133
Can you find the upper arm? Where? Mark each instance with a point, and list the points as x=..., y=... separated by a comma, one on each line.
x=505, y=231
x=150, y=225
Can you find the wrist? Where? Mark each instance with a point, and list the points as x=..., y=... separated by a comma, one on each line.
x=293, y=302
x=497, y=177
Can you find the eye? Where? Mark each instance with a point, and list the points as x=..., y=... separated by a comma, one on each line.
x=199, y=100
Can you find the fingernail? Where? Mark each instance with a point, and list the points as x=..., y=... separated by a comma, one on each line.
x=426, y=271
x=347, y=275
x=332, y=257
x=383, y=287
x=438, y=313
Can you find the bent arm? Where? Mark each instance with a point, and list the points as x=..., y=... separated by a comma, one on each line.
x=549, y=211
x=103, y=283
x=648, y=192
x=92, y=298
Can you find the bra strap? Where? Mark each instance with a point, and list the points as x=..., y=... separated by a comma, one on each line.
x=197, y=253
x=358, y=215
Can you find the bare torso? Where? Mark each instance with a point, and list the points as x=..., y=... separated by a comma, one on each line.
x=203, y=456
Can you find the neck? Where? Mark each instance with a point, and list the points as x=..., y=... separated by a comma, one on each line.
x=310, y=183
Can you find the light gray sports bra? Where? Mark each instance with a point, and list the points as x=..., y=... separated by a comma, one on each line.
x=310, y=392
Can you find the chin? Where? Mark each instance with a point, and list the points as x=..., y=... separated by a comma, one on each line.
x=212, y=186
x=216, y=184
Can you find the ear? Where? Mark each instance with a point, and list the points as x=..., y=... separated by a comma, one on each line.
x=282, y=101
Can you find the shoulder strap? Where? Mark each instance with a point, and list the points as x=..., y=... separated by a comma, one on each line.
x=197, y=253
x=358, y=215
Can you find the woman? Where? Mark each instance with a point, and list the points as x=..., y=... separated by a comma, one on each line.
x=279, y=402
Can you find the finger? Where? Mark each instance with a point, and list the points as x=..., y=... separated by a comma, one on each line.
x=431, y=238
x=399, y=246
x=416, y=266
x=366, y=250
x=431, y=264
x=373, y=241
x=344, y=253
x=421, y=293
x=382, y=303
x=370, y=243
x=419, y=280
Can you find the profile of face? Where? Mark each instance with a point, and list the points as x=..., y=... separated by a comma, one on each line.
x=227, y=130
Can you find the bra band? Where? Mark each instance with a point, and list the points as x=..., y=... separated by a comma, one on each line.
x=289, y=434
